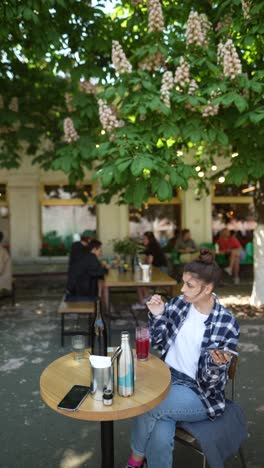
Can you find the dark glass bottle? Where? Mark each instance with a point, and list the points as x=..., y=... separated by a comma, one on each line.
x=99, y=333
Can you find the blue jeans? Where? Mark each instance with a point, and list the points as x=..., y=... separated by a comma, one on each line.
x=153, y=432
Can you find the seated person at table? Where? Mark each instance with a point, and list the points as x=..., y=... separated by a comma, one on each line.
x=186, y=247
x=172, y=241
x=5, y=269
x=78, y=249
x=231, y=246
x=155, y=256
x=194, y=334
x=86, y=272
x=153, y=252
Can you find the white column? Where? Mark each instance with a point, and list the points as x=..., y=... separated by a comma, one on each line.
x=23, y=193
x=197, y=216
x=112, y=223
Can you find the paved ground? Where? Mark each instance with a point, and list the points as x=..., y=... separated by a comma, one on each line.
x=33, y=436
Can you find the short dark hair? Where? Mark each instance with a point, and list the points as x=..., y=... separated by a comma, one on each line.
x=204, y=268
x=1, y=236
x=94, y=244
x=185, y=231
x=151, y=238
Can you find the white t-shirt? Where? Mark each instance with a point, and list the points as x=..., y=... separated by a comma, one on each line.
x=184, y=353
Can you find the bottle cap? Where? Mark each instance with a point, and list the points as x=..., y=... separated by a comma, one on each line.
x=108, y=394
x=108, y=397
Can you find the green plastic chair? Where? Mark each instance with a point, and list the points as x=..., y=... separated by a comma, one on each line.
x=175, y=258
x=249, y=258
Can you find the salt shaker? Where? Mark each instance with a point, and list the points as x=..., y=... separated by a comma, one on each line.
x=108, y=397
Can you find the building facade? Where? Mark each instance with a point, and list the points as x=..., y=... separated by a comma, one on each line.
x=40, y=214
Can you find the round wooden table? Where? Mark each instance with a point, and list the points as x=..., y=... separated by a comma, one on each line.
x=151, y=386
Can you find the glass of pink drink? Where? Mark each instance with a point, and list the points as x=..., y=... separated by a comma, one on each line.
x=142, y=343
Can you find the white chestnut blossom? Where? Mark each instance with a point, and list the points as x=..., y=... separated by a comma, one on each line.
x=209, y=109
x=193, y=85
x=246, y=5
x=227, y=56
x=197, y=29
x=70, y=133
x=119, y=59
x=166, y=87
x=155, y=16
x=108, y=117
x=152, y=62
x=87, y=87
x=13, y=105
x=182, y=73
x=68, y=101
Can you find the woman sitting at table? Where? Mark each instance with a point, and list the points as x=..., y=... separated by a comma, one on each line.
x=155, y=256
x=195, y=335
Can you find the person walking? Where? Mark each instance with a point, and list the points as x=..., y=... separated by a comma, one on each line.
x=196, y=337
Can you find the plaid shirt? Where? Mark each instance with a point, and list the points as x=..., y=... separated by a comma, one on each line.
x=221, y=330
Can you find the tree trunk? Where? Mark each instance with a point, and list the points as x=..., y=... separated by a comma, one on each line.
x=257, y=295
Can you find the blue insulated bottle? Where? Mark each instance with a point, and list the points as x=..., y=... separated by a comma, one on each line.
x=125, y=368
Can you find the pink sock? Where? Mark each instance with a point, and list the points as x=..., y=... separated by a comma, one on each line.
x=134, y=463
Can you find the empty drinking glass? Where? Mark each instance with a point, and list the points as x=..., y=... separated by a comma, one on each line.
x=78, y=347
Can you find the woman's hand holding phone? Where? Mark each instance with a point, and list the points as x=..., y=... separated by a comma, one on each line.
x=156, y=305
x=220, y=357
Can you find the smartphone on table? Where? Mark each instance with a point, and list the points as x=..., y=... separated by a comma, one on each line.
x=74, y=398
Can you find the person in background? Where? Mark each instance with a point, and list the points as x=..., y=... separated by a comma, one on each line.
x=171, y=244
x=153, y=252
x=186, y=247
x=86, y=274
x=155, y=256
x=230, y=245
x=5, y=268
x=195, y=336
x=78, y=248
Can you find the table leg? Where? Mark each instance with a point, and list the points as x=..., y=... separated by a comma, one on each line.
x=107, y=444
x=62, y=329
x=109, y=316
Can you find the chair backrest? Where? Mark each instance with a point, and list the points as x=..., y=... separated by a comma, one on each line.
x=249, y=249
x=231, y=374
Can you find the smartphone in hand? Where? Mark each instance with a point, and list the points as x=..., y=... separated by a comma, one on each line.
x=74, y=398
x=223, y=350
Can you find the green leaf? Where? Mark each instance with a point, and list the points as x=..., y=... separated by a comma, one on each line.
x=222, y=138
x=176, y=179
x=256, y=117
x=240, y=103
x=107, y=177
x=123, y=165
x=140, y=193
x=147, y=85
x=164, y=191
x=139, y=164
